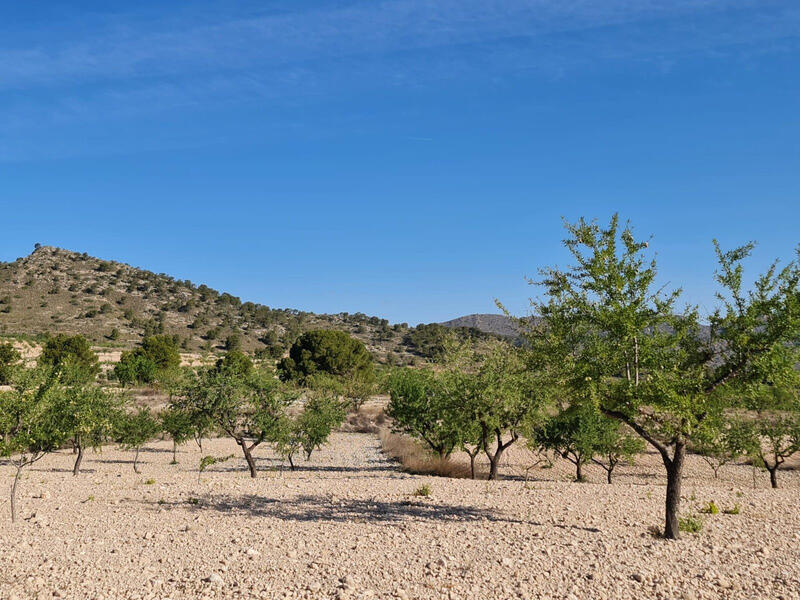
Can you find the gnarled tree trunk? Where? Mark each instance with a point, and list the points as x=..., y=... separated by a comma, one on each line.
x=248, y=456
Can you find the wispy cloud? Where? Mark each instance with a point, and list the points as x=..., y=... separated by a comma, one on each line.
x=118, y=67
x=374, y=28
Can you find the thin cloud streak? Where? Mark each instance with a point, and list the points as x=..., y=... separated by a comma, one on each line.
x=275, y=40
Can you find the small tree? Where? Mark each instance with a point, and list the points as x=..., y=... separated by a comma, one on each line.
x=180, y=427
x=248, y=408
x=615, y=444
x=9, y=360
x=773, y=435
x=71, y=349
x=163, y=350
x=134, y=367
x=720, y=439
x=574, y=434
x=419, y=406
x=29, y=422
x=157, y=356
x=498, y=394
x=133, y=430
x=321, y=415
x=327, y=351
x=86, y=414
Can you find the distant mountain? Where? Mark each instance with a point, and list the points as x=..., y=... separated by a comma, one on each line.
x=487, y=323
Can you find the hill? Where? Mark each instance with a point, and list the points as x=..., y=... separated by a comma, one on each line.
x=59, y=291
x=53, y=290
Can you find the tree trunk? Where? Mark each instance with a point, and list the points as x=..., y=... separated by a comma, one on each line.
x=608, y=475
x=174, y=452
x=494, y=459
x=472, y=465
x=674, y=468
x=78, y=459
x=290, y=458
x=136, y=462
x=773, y=476
x=578, y=471
x=248, y=456
x=14, y=495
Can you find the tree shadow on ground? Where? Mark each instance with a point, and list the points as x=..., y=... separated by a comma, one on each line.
x=324, y=509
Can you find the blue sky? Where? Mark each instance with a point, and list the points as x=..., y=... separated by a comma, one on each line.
x=405, y=158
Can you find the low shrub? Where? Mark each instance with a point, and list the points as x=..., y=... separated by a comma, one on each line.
x=690, y=523
x=735, y=510
x=424, y=491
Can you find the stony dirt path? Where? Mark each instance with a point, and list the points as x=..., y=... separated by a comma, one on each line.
x=346, y=525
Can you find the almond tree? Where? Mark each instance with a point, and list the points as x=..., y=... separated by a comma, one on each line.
x=495, y=395
x=29, y=423
x=86, y=413
x=133, y=430
x=773, y=434
x=720, y=440
x=620, y=341
x=420, y=406
x=248, y=406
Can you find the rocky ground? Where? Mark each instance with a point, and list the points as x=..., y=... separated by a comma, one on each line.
x=348, y=525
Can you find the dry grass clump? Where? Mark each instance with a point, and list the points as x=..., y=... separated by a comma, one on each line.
x=367, y=419
x=415, y=459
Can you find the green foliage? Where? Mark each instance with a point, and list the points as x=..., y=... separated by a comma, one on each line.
x=29, y=420
x=309, y=430
x=133, y=430
x=326, y=351
x=720, y=439
x=577, y=433
x=478, y=400
x=86, y=414
x=9, y=359
x=734, y=510
x=178, y=423
x=163, y=351
x=235, y=362
x=74, y=350
x=431, y=340
x=710, y=508
x=134, y=367
x=233, y=342
x=423, y=491
x=690, y=523
x=206, y=462
x=273, y=346
x=420, y=406
x=158, y=354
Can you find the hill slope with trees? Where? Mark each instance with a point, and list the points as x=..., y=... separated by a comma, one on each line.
x=53, y=290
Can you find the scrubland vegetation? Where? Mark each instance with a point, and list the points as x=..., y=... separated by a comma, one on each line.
x=611, y=370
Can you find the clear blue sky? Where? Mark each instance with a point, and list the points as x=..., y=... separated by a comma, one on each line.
x=405, y=158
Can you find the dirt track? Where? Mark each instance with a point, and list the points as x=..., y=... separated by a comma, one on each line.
x=346, y=525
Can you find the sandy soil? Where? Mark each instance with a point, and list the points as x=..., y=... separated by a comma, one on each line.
x=346, y=525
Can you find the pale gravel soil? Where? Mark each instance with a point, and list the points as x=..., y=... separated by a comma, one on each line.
x=346, y=526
